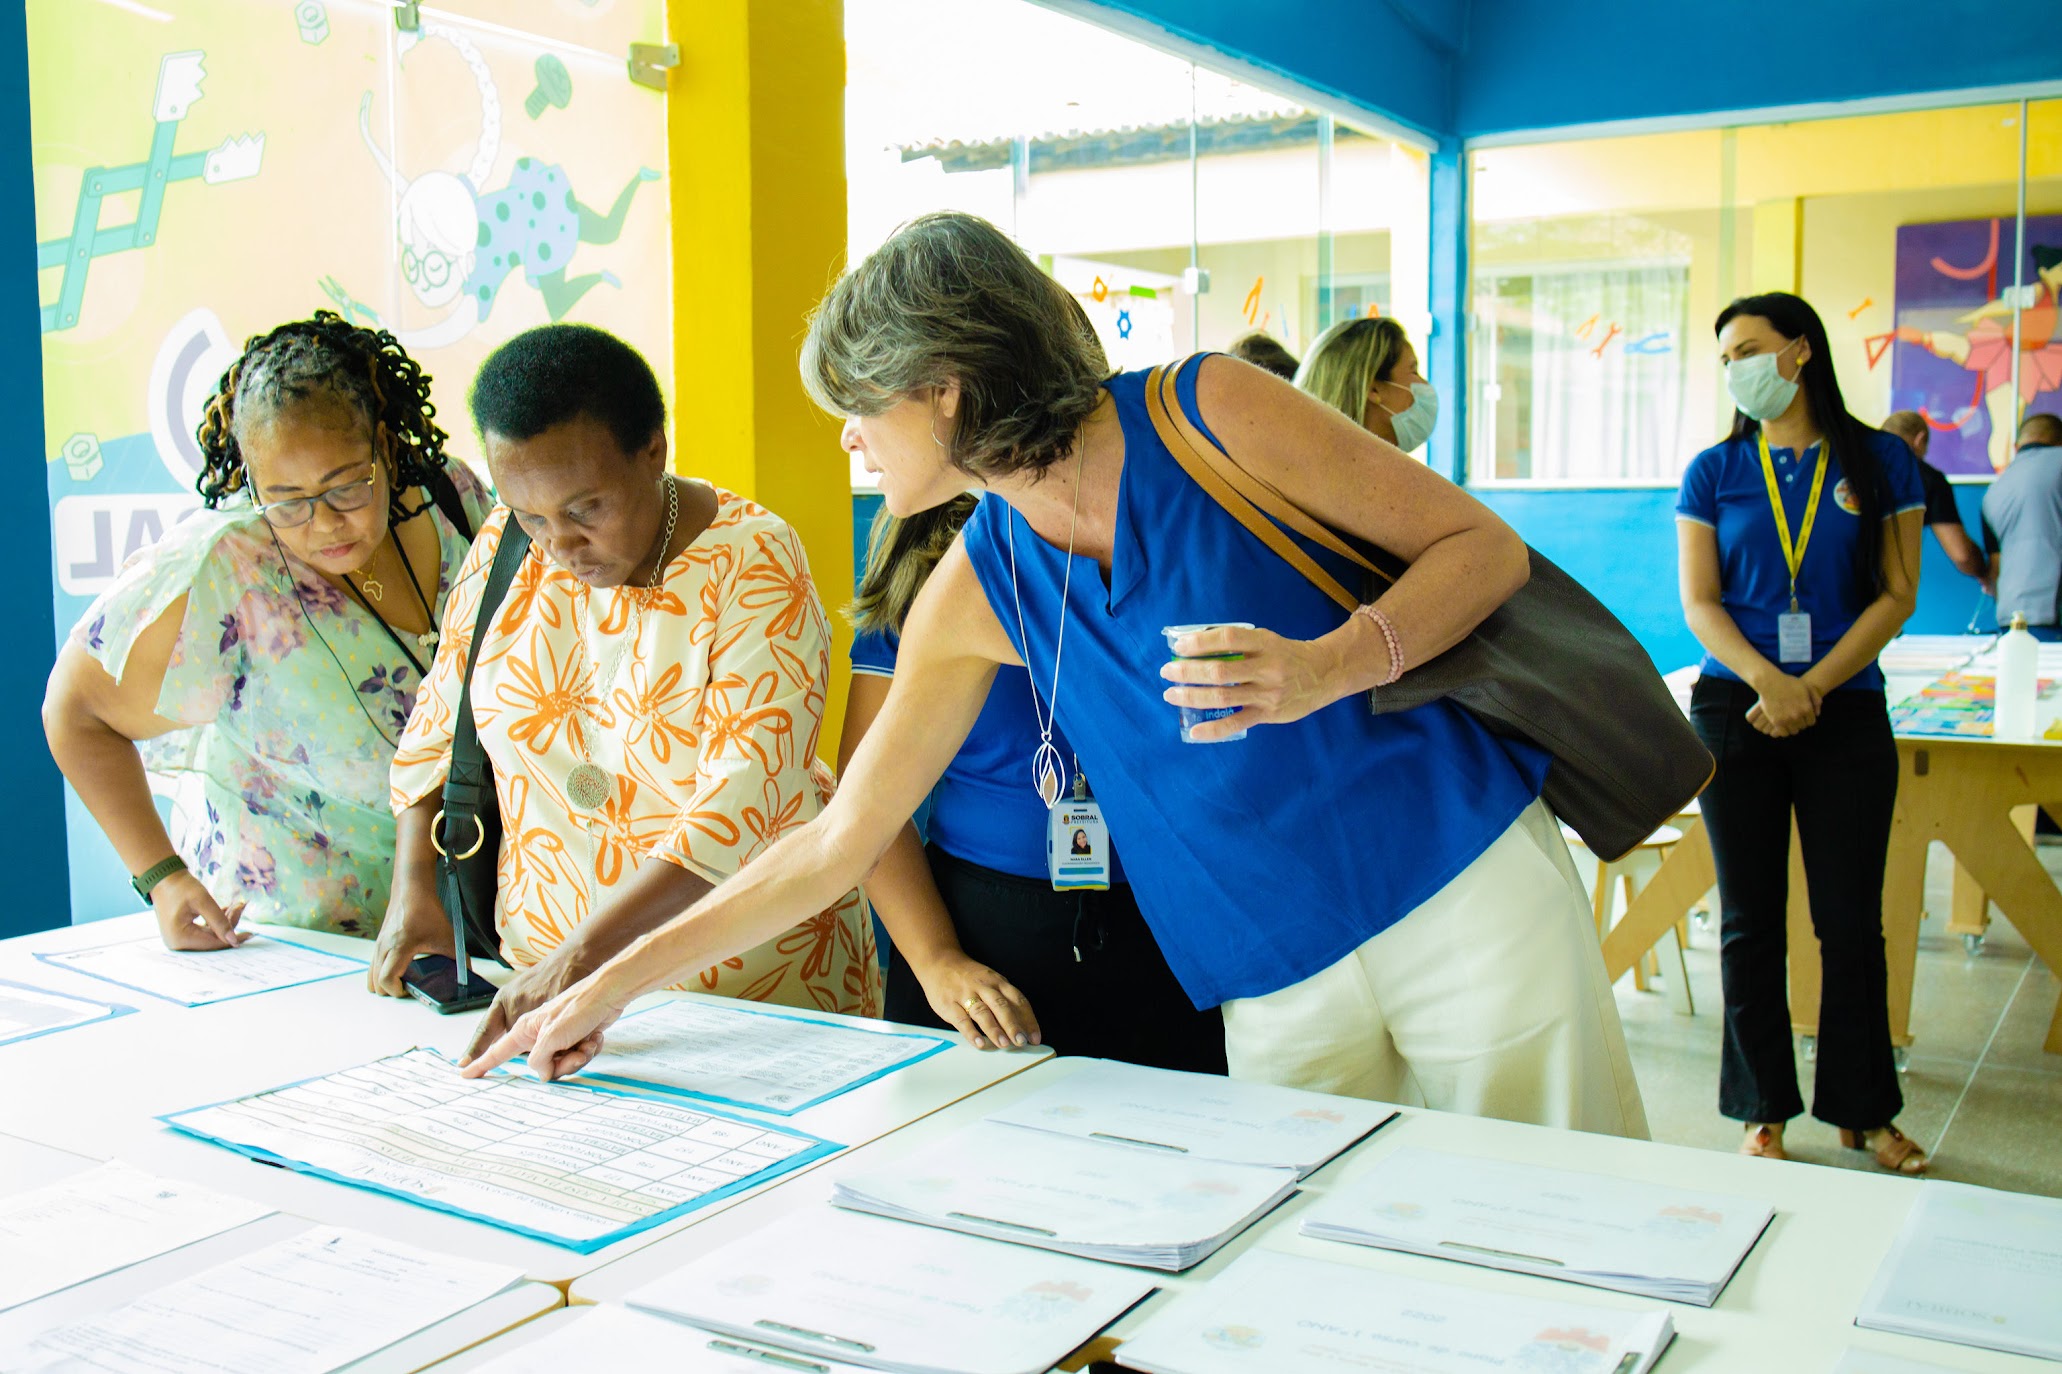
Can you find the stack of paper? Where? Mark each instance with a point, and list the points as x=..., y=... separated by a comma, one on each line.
x=896, y=1297
x=576, y=1166
x=1931, y=653
x=1105, y=1202
x=1203, y=1116
x=196, y=978
x=766, y=1060
x=103, y=1220
x=312, y=1302
x=1618, y=1233
x=615, y=1338
x=1286, y=1314
x=27, y=1012
x=1976, y=1267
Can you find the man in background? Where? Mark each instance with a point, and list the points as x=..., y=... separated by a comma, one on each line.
x=1941, y=516
x=2022, y=528
x=1262, y=350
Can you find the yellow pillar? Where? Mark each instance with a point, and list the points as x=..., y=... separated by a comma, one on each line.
x=756, y=142
x=1779, y=246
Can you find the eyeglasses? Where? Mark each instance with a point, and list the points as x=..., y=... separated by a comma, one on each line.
x=352, y=496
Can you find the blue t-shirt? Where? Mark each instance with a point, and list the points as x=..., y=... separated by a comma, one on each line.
x=1260, y=862
x=1725, y=489
x=984, y=809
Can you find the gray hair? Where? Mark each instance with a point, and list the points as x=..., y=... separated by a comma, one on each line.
x=1347, y=360
x=950, y=298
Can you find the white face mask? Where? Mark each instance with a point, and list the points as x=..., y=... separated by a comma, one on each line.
x=1413, y=424
x=1758, y=387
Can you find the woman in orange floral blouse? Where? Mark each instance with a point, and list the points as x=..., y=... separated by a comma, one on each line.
x=652, y=688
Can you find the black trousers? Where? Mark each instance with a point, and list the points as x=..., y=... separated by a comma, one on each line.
x=1840, y=778
x=1095, y=976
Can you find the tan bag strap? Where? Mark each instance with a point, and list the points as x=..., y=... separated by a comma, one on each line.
x=1249, y=499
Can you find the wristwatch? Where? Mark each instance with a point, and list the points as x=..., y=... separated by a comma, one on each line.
x=155, y=874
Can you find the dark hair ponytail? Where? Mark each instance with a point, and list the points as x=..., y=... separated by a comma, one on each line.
x=366, y=369
x=1847, y=439
x=902, y=551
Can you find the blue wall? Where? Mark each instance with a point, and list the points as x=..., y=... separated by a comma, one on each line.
x=1530, y=65
x=1395, y=56
x=32, y=842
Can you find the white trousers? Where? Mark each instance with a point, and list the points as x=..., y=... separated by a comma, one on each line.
x=1489, y=999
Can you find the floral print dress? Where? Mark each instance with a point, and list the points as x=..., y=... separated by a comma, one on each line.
x=709, y=726
x=292, y=704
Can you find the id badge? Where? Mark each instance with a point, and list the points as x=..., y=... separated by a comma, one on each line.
x=1793, y=637
x=1077, y=845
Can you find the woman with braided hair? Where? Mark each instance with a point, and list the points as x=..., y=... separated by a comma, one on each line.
x=268, y=650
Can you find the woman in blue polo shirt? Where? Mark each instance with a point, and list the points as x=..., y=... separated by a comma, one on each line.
x=1792, y=612
x=977, y=927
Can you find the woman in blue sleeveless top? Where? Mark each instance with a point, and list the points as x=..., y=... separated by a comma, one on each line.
x=1380, y=905
x=984, y=941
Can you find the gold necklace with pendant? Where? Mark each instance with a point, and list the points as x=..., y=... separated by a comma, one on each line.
x=588, y=785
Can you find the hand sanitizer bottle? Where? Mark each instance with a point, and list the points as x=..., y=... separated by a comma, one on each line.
x=2018, y=665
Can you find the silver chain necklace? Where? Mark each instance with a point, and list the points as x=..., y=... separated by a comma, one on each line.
x=1048, y=769
x=589, y=786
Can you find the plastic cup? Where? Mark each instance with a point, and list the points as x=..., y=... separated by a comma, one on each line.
x=1192, y=716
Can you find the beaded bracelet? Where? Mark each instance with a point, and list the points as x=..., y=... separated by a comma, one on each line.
x=1374, y=613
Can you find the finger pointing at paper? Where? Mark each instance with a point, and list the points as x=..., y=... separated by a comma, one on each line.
x=560, y=1038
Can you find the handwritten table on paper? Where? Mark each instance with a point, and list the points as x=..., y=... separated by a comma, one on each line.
x=575, y=1166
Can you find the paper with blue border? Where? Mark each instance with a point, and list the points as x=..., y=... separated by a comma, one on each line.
x=64, y=959
x=692, y=1010
x=809, y=1149
x=108, y=1011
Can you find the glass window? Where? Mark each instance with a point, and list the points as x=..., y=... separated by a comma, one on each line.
x=1184, y=208
x=1598, y=266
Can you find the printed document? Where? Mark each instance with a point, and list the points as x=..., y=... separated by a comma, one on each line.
x=578, y=1167
x=194, y=978
x=764, y=1060
x=1648, y=1238
x=27, y=1012
x=1287, y=1314
x=304, y=1305
x=103, y=1220
x=1977, y=1267
x=1080, y=1197
x=615, y=1338
x=1205, y=1116
x=902, y=1298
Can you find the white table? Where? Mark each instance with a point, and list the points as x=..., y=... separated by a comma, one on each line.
x=25, y=1165
x=98, y=1089
x=1789, y=1308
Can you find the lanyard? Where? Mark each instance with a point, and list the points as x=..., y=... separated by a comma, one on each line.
x=1793, y=554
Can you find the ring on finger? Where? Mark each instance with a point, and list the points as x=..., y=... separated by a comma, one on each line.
x=970, y=1004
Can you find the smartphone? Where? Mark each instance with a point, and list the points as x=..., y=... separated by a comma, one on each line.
x=433, y=978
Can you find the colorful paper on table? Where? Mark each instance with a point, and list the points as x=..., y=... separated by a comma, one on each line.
x=763, y=1060
x=1976, y=1267
x=27, y=1012
x=103, y=1220
x=1959, y=705
x=1080, y=1197
x=1270, y=1311
x=1619, y=1233
x=611, y=1337
x=896, y=1297
x=574, y=1166
x=194, y=978
x=305, y=1305
x=1203, y=1116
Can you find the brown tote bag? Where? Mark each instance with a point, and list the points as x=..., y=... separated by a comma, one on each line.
x=1551, y=665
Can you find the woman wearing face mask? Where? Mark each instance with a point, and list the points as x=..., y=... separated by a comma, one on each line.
x=1799, y=544
x=1367, y=370
x=271, y=646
